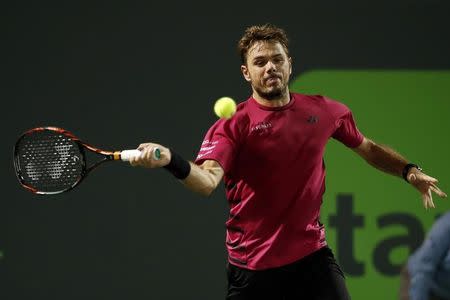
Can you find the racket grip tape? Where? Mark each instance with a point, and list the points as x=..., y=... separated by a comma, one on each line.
x=126, y=155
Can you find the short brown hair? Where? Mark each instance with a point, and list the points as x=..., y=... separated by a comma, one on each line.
x=267, y=32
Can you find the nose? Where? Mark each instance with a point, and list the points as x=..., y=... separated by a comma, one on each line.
x=270, y=67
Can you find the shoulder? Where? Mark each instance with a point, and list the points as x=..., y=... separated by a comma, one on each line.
x=333, y=107
x=241, y=117
x=236, y=123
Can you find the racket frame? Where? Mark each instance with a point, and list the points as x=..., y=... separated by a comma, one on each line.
x=107, y=156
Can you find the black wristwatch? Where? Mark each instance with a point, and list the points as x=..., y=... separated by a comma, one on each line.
x=407, y=168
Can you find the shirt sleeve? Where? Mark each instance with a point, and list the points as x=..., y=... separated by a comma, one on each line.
x=423, y=264
x=346, y=130
x=219, y=144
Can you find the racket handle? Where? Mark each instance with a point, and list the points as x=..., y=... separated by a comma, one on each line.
x=126, y=155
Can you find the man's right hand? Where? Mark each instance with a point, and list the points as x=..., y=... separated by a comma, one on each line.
x=147, y=158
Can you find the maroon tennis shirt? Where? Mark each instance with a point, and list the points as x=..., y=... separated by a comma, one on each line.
x=275, y=176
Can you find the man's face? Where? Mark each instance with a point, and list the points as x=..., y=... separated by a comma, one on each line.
x=268, y=69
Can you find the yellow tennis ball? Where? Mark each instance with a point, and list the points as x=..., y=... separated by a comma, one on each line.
x=225, y=107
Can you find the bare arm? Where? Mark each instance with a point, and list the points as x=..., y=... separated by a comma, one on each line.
x=387, y=160
x=202, y=179
x=381, y=157
x=205, y=178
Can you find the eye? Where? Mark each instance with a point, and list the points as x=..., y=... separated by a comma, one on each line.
x=260, y=63
x=278, y=60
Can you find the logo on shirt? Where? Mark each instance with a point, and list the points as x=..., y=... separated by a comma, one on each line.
x=207, y=148
x=313, y=119
x=261, y=127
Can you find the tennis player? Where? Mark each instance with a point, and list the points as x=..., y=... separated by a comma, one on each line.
x=270, y=156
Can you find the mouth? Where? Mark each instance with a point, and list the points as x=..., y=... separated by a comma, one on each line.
x=272, y=80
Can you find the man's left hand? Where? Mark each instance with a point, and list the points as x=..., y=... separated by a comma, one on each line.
x=426, y=185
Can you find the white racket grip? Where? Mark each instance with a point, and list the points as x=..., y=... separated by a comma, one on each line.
x=126, y=155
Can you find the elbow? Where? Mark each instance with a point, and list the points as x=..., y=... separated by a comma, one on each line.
x=367, y=149
x=203, y=180
x=211, y=188
x=207, y=188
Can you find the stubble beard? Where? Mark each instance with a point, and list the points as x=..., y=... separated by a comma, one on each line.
x=274, y=94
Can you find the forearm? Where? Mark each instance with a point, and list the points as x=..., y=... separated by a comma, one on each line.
x=391, y=162
x=202, y=179
x=383, y=158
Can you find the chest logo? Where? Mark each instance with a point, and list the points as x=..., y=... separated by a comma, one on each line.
x=313, y=119
x=261, y=127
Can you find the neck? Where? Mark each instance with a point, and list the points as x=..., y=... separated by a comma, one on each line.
x=277, y=102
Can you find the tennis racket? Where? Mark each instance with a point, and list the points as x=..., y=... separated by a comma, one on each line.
x=51, y=160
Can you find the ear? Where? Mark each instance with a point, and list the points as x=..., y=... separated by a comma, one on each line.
x=290, y=65
x=245, y=72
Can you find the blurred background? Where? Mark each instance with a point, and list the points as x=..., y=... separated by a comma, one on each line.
x=120, y=73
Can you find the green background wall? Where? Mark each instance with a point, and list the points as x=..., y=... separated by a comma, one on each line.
x=408, y=111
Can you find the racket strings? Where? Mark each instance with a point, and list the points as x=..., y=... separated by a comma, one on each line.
x=49, y=161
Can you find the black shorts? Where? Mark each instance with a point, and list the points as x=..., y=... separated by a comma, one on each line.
x=314, y=277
